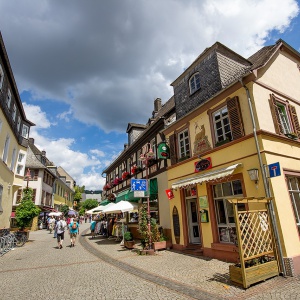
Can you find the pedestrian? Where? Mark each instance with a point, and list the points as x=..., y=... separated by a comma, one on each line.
x=55, y=228
x=92, y=227
x=51, y=224
x=60, y=227
x=74, y=230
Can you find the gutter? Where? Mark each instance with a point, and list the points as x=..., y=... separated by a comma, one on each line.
x=265, y=181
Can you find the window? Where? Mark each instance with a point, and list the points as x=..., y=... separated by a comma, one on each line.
x=227, y=122
x=14, y=112
x=184, y=144
x=285, y=117
x=13, y=159
x=1, y=77
x=21, y=157
x=19, y=123
x=25, y=131
x=8, y=98
x=1, y=192
x=6, y=147
x=222, y=125
x=194, y=83
x=294, y=191
x=224, y=209
x=19, y=169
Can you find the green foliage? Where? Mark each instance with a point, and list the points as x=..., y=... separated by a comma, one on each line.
x=81, y=211
x=26, y=210
x=128, y=236
x=143, y=227
x=155, y=234
x=89, y=204
x=64, y=209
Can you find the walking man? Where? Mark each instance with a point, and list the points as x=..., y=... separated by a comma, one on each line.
x=60, y=227
x=74, y=230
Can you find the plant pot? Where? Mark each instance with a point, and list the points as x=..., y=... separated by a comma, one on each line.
x=253, y=274
x=129, y=244
x=159, y=245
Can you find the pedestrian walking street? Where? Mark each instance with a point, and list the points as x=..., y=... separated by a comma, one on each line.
x=101, y=268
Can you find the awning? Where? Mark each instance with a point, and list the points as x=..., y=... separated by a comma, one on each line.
x=121, y=196
x=213, y=175
x=130, y=197
x=105, y=202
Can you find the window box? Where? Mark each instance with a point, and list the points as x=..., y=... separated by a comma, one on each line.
x=222, y=142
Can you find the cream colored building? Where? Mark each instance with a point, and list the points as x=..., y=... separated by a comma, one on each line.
x=14, y=131
x=235, y=115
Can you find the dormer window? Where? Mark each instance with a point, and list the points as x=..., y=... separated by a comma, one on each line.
x=8, y=98
x=194, y=83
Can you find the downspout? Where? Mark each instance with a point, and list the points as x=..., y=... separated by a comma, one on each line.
x=265, y=181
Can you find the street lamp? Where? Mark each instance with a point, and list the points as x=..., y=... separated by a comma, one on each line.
x=144, y=158
x=28, y=176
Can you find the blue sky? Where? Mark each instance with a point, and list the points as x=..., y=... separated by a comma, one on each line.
x=85, y=69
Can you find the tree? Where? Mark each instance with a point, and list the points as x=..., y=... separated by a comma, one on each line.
x=26, y=210
x=89, y=204
x=78, y=192
x=64, y=209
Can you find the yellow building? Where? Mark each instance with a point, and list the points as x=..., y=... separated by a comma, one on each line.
x=14, y=131
x=236, y=116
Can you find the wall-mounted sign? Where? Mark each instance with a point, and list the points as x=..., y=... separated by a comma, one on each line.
x=139, y=185
x=203, y=164
x=204, y=216
x=203, y=202
x=170, y=194
x=163, y=151
x=274, y=169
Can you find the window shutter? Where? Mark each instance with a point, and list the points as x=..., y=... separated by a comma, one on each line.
x=235, y=118
x=294, y=119
x=275, y=115
x=173, y=152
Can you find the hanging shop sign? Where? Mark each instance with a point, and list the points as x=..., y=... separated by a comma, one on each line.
x=163, y=151
x=170, y=194
x=203, y=164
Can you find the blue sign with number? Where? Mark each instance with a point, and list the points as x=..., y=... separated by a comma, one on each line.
x=274, y=170
x=139, y=185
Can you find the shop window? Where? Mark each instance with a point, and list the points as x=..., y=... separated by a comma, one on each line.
x=294, y=191
x=285, y=118
x=224, y=209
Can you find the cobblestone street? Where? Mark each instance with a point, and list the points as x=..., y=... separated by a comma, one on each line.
x=101, y=269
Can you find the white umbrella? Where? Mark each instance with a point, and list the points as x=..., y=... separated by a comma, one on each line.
x=108, y=207
x=55, y=214
x=96, y=209
x=120, y=207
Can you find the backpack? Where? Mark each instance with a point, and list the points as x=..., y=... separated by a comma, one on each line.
x=62, y=225
x=74, y=225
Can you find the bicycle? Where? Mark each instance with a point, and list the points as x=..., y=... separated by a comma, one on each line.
x=10, y=241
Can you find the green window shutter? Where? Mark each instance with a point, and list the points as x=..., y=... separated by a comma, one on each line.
x=275, y=115
x=235, y=118
x=294, y=119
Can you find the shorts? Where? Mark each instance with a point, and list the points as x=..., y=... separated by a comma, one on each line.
x=73, y=234
x=60, y=236
x=92, y=230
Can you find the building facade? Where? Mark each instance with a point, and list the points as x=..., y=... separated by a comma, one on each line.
x=14, y=131
x=236, y=116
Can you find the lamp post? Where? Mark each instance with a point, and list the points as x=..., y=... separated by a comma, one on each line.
x=147, y=155
x=28, y=176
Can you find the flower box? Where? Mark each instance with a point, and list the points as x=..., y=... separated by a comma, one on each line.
x=253, y=274
x=161, y=245
x=129, y=244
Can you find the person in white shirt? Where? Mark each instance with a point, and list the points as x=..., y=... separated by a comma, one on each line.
x=61, y=226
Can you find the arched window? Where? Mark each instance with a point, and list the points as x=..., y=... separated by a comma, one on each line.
x=194, y=83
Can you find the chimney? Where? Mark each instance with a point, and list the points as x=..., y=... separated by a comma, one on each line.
x=31, y=141
x=157, y=104
x=43, y=153
x=125, y=146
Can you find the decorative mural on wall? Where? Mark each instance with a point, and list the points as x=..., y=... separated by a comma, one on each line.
x=201, y=143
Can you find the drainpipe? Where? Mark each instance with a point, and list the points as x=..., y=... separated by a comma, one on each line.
x=265, y=181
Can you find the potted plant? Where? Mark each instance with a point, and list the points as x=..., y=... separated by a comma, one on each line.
x=107, y=187
x=128, y=240
x=135, y=169
x=26, y=211
x=125, y=175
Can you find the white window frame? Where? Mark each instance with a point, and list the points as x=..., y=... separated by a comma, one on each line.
x=1, y=193
x=19, y=169
x=5, y=150
x=14, y=112
x=194, y=83
x=13, y=159
x=222, y=127
x=284, y=117
x=25, y=131
x=184, y=149
x=294, y=191
x=8, y=98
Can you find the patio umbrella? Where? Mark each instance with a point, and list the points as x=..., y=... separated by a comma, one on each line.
x=120, y=207
x=95, y=209
x=55, y=214
x=72, y=213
